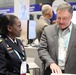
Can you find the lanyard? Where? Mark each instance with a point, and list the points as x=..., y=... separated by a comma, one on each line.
x=17, y=54
x=67, y=40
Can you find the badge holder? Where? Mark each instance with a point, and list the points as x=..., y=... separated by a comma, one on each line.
x=23, y=69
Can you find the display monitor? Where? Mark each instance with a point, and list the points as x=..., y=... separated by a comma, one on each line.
x=74, y=17
x=31, y=30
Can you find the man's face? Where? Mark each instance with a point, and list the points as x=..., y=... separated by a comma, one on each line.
x=63, y=18
x=16, y=28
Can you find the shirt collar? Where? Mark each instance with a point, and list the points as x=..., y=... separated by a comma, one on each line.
x=69, y=28
x=47, y=20
x=14, y=41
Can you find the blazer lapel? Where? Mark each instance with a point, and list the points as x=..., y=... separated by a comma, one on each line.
x=71, y=42
x=15, y=47
x=20, y=46
x=56, y=41
x=56, y=46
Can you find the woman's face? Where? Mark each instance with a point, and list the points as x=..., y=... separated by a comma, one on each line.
x=15, y=30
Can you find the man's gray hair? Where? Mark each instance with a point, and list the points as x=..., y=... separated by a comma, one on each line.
x=46, y=8
x=65, y=6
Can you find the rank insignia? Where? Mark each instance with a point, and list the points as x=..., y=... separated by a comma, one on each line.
x=9, y=48
x=0, y=40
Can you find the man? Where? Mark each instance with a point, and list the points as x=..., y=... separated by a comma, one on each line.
x=53, y=19
x=43, y=20
x=58, y=43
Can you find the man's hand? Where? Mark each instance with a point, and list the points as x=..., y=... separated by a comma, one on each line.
x=55, y=68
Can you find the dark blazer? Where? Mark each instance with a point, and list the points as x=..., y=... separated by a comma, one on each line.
x=9, y=60
x=48, y=51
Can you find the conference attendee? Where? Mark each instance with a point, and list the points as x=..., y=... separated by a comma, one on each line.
x=53, y=19
x=44, y=20
x=12, y=51
x=58, y=43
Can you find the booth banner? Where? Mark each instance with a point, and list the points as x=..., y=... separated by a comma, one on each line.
x=6, y=10
x=73, y=4
x=23, y=9
x=34, y=7
x=37, y=7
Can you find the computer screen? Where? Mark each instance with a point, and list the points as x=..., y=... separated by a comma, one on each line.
x=74, y=17
x=31, y=30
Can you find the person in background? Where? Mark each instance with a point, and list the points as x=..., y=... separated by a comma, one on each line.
x=44, y=20
x=53, y=19
x=12, y=51
x=58, y=43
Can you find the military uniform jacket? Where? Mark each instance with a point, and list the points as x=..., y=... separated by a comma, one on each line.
x=9, y=60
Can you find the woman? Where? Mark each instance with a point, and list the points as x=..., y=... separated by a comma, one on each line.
x=12, y=51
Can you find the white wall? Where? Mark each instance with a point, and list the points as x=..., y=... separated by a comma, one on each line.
x=32, y=1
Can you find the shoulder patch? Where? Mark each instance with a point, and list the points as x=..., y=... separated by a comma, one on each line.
x=0, y=40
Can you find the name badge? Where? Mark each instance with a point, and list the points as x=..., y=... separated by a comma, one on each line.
x=23, y=68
